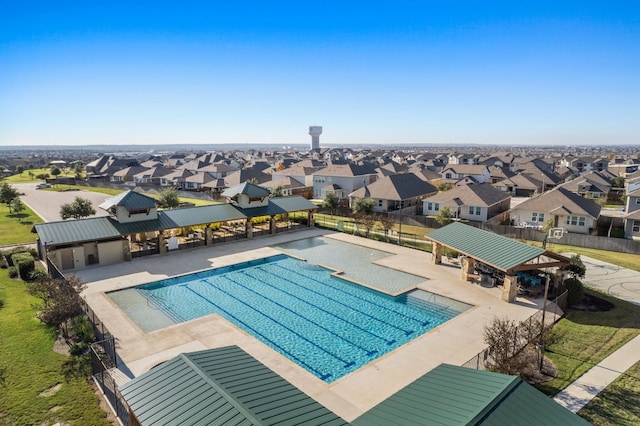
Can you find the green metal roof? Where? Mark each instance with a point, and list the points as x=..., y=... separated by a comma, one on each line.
x=247, y=188
x=493, y=249
x=102, y=228
x=280, y=205
x=219, y=387
x=131, y=200
x=450, y=395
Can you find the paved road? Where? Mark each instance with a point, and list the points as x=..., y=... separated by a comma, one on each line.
x=46, y=203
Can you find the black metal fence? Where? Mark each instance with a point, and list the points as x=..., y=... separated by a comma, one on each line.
x=103, y=365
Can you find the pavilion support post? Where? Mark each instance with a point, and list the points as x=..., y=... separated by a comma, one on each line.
x=510, y=288
x=161, y=246
x=312, y=219
x=436, y=253
x=468, y=268
x=126, y=249
x=272, y=225
x=249, y=228
x=208, y=236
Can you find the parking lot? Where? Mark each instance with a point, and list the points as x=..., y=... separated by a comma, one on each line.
x=46, y=203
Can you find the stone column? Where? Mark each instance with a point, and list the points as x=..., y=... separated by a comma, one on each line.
x=208, y=236
x=272, y=225
x=468, y=268
x=510, y=288
x=249, y=228
x=161, y=246
x=436, y=253
x=312, y=219
x=126, y=249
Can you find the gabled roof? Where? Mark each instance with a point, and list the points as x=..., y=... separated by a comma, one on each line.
x=451, y=395
x=496, y=250
x=346, y=170
x=474, y=169
x=396, y=187
x=481, y=195
x=246, y=188
x=550, y=200
x=131, y=200
x=220, y=386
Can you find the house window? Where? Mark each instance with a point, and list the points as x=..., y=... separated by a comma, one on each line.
x=429, y=206
x=636, y=226
x=537, y=217
x=576, y=220
x=474, y=210
x=447, y=176
x=638, y=200
x=436, y=206
x=379, y=203
x=595, y=195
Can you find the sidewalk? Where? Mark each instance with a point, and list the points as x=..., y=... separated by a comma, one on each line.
x=579, y=393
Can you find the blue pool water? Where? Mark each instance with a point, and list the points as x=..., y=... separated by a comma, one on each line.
x=327, y=325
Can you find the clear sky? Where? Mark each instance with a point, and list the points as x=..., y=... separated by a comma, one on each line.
x=134, y=72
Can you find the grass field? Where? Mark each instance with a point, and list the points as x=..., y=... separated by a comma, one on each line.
x=626, y=260
x=619, y=403
x=16, y=229
x=586, y=338
x=29, y=368
x=25, y=177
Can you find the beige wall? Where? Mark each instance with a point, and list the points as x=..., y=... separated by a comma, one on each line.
x=110, y=252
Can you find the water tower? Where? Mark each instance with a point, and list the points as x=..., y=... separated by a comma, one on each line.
x=315, y=132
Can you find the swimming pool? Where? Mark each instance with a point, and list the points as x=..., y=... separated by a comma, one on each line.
x=327, y=325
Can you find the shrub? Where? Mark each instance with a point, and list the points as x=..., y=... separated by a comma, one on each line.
x=3, y=263
x=9, y=253
x=576, y=290
x=24, y=262
x=33, y=252
x=82, y=329
x=78, y=348
x=37, y=274
x=13, y=272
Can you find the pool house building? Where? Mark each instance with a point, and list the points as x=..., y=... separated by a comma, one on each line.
x=136, y=227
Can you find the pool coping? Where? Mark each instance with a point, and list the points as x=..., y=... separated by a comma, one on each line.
x=456, y=341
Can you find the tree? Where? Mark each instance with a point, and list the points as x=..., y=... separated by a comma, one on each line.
x=8, y=194
x=61, y=300
x=277, y=191
x=618, y=182
x=168, y=198
x=55, y=171
x=445, y=216
x=80, y=207
x=363, y=206
x=386, y=222
x=17, y=207
x=576, y=268
x=444, y=186
x=78, y=171
x=502, y=338
x=330, y=202
x=20, y=169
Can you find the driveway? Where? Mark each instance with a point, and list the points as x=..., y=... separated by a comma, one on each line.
x=47, y=203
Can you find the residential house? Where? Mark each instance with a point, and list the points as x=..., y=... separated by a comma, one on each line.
x=456, y=172
x=477, y=202
x=457, y=159
x=520, y=185
x=154, y=176
x=585, y=164
x=395, y=192
x=127, y=174
x=565, y=209
x=289, y=186
x=632, y=209
x=341, y=179
x=592, y=185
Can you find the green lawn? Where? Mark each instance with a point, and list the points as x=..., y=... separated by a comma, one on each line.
x=586, y=338
x=25, y=177
x=16, y=229
x=30, y=366
x=619, y=403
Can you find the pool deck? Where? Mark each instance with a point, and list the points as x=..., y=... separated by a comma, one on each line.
x=454, y=342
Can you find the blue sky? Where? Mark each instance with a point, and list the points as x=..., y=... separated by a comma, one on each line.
x=84, y=73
